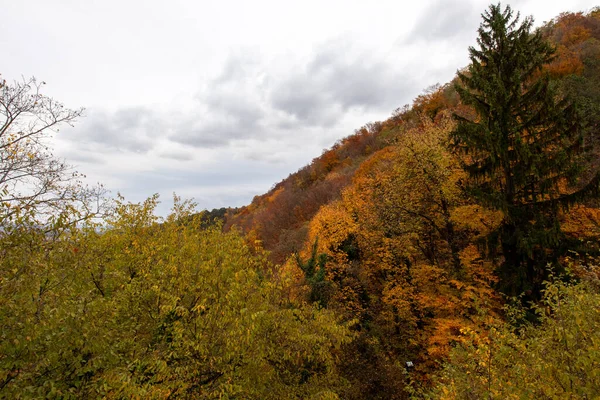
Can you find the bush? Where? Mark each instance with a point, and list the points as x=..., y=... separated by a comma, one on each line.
x=557, y=358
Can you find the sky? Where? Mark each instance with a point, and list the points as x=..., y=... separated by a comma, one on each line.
x=219, y=100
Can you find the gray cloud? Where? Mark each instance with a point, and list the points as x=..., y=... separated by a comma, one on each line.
x=235, y=107
x=305, y=102
x=176, y=155
x=231, y=104
x=446, y=20
x=241, y=104
x=81, y=155
x=239, y=66
x=133, y=129
x=211, y=135
x=245, y=102
x=336, y=79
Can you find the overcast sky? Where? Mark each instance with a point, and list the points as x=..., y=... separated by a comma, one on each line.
x=219, y=100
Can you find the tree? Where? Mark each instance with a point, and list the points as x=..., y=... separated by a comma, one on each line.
x=31, y=177
x=523, y=146
x=145, y=307
x=557, y=359
x=314, y=273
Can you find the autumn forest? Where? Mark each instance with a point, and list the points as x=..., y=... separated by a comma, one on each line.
x=448, y=252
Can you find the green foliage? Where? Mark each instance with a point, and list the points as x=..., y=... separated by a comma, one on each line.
x=314, y=273
x=557, y=359
x=142, y=309
x=216, y=216
x=522, y=148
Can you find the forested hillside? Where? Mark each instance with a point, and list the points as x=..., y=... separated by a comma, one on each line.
x=449, y=252
x=411, y=242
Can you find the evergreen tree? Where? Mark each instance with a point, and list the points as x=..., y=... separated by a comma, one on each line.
x=522, y=149
x=314, y=273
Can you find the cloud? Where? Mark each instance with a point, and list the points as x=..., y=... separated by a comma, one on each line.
x=79, y=155
x=176, y=155
x=252, y=124
x=230, y=107
x=446, y=20
x=209, y=135
x=305, y=103
x=250, y=99
x=338, y=78
x=131, y=129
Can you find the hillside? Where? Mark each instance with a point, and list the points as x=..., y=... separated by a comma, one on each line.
x=279, y=217
x=409, y=253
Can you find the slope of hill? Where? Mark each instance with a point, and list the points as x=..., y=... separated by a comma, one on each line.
x=408, y=252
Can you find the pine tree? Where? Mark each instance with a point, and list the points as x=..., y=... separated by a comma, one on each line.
x=522, y=150
x=314, y=272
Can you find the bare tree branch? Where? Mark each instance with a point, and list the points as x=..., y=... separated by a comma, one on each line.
x=32, y=180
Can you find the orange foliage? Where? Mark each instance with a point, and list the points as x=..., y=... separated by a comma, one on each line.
x=569, y=29
x=432, y=101
x=583, y=223
x=390, y=241
x=567, y=62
